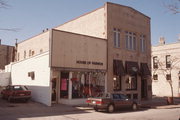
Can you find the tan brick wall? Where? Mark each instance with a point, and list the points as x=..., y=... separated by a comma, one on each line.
x=91, y=24
x=68, y=48
x=127, y=19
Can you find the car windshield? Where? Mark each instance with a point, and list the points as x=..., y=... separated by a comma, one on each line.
x=19, y=88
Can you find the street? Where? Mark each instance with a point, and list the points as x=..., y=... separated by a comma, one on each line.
x=36, y=111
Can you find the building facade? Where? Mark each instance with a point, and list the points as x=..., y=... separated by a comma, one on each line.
x=106, y=50
x=129, y=46
x=166, y=69
x=6, y=55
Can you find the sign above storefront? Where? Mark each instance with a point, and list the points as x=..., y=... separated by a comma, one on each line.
x=89, y=62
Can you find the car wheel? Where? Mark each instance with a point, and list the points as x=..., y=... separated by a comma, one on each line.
x=110, y=108
x=134, y=106
x=96, y=109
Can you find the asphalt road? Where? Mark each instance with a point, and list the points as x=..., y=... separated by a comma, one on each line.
x=36, y=111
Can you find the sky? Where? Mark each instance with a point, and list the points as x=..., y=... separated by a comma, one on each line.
x=30, y=17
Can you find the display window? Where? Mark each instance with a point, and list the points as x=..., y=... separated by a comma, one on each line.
x=87, y=84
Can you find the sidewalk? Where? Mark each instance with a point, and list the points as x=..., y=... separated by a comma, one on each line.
x=160, y=103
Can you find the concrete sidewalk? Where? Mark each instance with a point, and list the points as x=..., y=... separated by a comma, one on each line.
x=160, y=103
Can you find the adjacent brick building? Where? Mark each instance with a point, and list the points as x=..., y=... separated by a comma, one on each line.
x=6, y=55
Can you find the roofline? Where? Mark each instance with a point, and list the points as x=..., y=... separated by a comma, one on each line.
x=128, y=7
x=80, y=16
x=33, y=36
x=79, y=34
x=178, y=42
x=7, y=45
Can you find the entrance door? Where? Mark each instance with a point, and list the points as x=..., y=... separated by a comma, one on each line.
x=54, y=83
x=143, y=88
x=64, y=83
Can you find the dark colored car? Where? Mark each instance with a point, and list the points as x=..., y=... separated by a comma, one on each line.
x=16, y=92
x=112, y=101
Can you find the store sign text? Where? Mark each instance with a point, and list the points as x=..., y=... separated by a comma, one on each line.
x=89, y=62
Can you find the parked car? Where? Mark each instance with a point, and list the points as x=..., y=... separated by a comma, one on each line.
x=112, y=101
x=16, y=92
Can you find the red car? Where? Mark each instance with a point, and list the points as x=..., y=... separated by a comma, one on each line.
x=14, y=92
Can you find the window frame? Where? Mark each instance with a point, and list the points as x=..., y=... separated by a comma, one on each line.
x=168, y=77
x=155, y=62
x=135, y=83
x=130, y=39
x=168, y=61
x=155, y=77
x=142, y=43
x=116, y=38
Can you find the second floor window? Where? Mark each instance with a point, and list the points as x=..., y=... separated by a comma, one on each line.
x=142, y=43
x=155, y=62
x=168, y=77
x=116, y=38
x=130, y=39
x=168, y=61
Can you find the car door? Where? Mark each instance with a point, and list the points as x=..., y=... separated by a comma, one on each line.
x=125, y=101
x=118, y=102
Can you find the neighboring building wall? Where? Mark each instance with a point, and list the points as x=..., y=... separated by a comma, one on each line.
x=5, y=78
x=91, y=24
x=69, y=50
x=33, y=46
x=40, y=84
x=124, y=19
x=161, y=86
x=6, y=55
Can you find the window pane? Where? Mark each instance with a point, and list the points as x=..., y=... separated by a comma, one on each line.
x=126, y=41
x=134, y=43
x=130, y=42
x=114, y=38
x=118, y=39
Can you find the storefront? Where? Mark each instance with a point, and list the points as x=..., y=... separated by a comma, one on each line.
x=73, y=87
x=78, y=67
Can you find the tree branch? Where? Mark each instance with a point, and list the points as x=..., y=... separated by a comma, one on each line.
x=11, y=30
x=3, y=4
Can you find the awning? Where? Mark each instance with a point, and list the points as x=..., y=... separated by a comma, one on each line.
x=132, y=68
x=118, y=68
x=145, y=69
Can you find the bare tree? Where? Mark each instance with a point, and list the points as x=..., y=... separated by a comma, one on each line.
x=5, y=5
x=173, y=6
x=166, y=68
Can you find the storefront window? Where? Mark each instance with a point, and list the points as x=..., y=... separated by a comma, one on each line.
x=131, y=83
x=117, y=83
x=87, y=84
